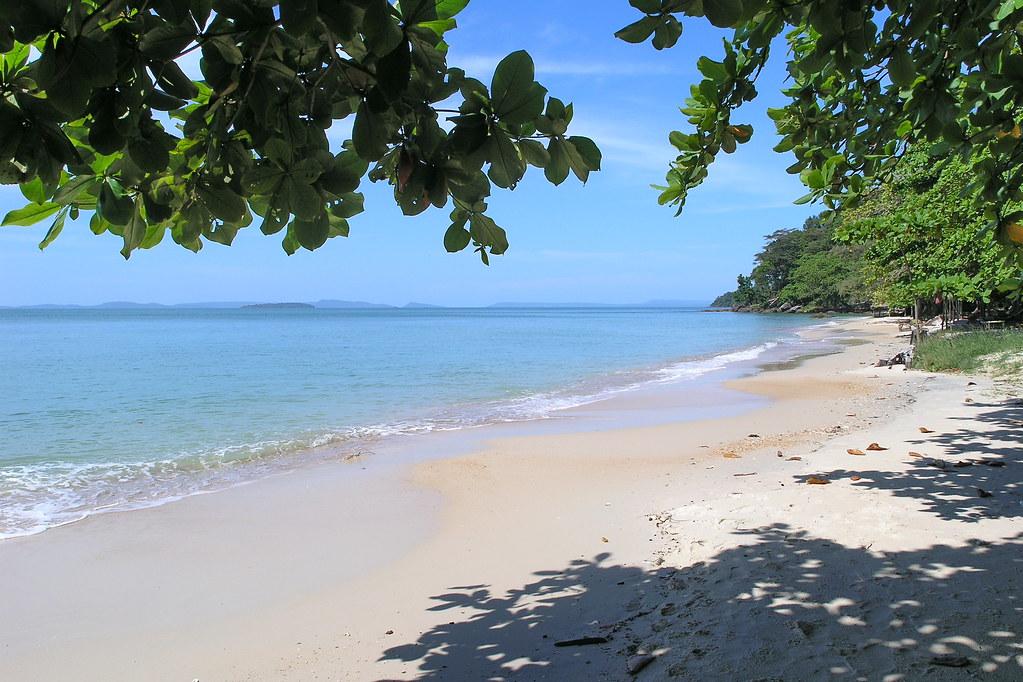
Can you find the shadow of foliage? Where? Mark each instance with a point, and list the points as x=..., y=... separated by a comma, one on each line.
x=964, y=475
x=782, y=605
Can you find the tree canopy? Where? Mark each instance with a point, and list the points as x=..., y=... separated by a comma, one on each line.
x=97, y=115
x=868, y=79
x=924, y=237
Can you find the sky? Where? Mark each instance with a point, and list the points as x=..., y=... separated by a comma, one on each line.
x=607, y=241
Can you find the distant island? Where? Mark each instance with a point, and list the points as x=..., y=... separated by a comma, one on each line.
x=279, y=306
x=334, y=304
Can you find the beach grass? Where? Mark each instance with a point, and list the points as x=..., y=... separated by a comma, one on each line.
x=995, y=352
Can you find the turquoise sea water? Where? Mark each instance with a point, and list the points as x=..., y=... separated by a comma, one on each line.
x=113, y=409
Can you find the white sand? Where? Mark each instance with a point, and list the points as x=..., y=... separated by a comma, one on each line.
x=472, y=567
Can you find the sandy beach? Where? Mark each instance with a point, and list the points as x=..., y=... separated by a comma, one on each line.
x=697, y=550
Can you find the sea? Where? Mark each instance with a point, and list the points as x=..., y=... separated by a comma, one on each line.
x=110, y=409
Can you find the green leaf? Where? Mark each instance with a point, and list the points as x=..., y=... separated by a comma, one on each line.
x=588, y=151
x=723, y=13
x=313, y=233
x=667, y=33
x=456, y=238
x=115, y=207
x=166, y=41
x=223, y=203
x=31, y=214
x=298, y=16
x=638, y=31
x=34, y=190
x=306, y=203
x=134, y=231
x=534, y=153
x=506, y=165
x=647, y=6
x=487, y=233
x=901, y=69
x=55, y=229
x=369, y=134
x=557, y=168
x=516, y=97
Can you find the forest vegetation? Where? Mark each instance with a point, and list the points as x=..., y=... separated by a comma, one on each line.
x=918, y=239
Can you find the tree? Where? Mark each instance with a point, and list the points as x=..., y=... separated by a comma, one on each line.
x=924, y=236
x=868, y=80
x=97, y=115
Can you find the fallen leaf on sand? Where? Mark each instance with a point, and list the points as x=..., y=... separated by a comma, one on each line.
x=851, y=414
x=794, y=459
x=969, y=400
x=754, y=435
x=731, y=455
x=914, y=454
x=924, y=429
x=854, y=478
x=603, y=539
x=637, y=663
x=854, y=451
x=875, y=447
x=814, y=480
x=752, y=473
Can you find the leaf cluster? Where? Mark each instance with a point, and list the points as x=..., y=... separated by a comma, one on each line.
x=98, y=116
x=867, y=80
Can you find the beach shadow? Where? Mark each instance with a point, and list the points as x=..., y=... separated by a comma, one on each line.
x=514, y=634
x=782, y=605
x=964, y=475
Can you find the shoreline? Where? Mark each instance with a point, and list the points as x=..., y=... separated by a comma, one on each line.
x=576, y=405
x=472, y=566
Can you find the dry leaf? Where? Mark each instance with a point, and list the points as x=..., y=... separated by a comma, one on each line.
x=603, y=539
x=854, y=478
x=969, y=400
x=924, y=429
x=875, y=447
x=814, y=480
x=854, y=451
x=914, y=454
x=794, y=459
x=731, y=455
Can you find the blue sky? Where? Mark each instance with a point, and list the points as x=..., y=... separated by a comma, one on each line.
x=607, y=241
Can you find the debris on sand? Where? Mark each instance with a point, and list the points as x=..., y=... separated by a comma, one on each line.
x=637, y=663
x=582, y=641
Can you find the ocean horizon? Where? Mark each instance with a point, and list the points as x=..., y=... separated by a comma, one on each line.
x=111, y=409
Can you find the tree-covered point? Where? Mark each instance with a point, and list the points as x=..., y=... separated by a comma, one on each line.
x=868, y=79
x=97, y=116
x=804, y=269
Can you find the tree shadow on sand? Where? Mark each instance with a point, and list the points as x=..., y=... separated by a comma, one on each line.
x=782, y=605
x=963, y=475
